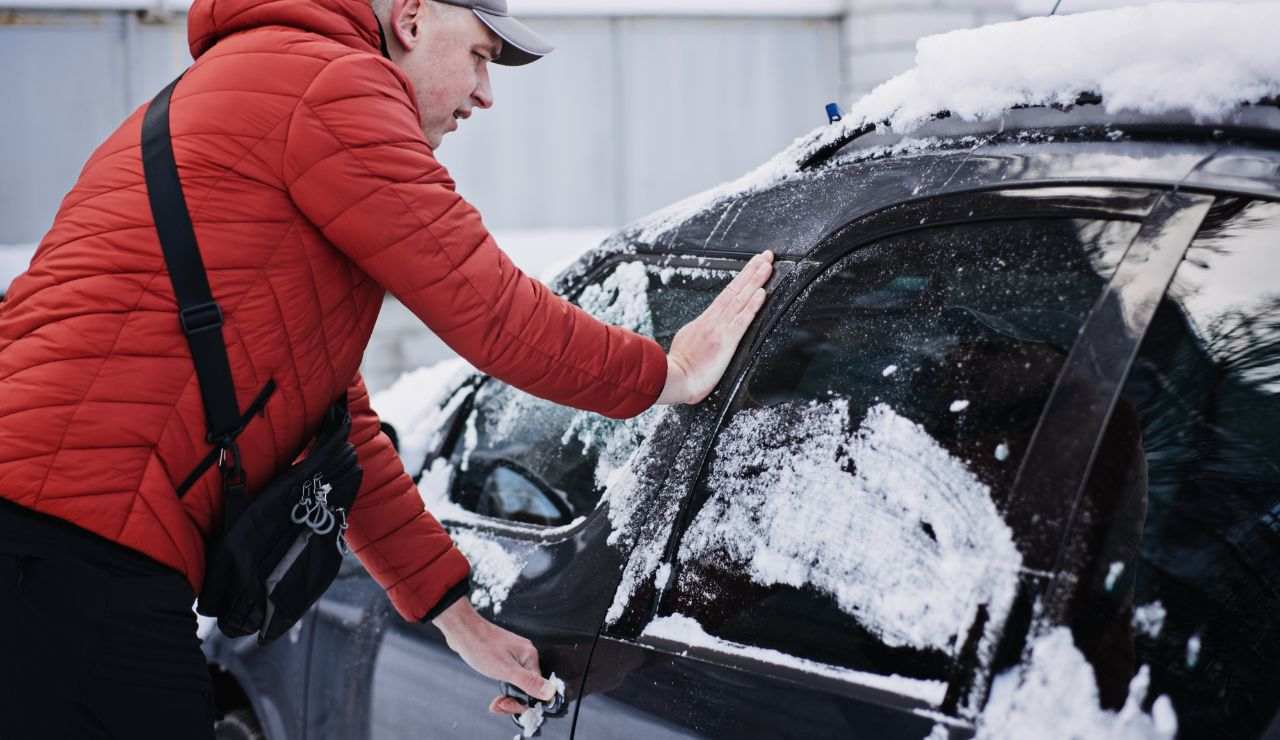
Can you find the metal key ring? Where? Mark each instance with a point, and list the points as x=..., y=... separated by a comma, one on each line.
x=325, y=525
x=300, y=518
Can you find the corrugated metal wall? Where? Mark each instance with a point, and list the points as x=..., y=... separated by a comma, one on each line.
x=628, y=115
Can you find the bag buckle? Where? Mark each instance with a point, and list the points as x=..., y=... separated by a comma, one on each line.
x=232, y=473
x=200, y=318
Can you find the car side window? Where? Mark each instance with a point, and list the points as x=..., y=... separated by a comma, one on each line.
x=851, y=503
x=527, y=460
x=1181, y=521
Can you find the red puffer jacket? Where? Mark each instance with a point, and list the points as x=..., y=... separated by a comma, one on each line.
x=313, y=193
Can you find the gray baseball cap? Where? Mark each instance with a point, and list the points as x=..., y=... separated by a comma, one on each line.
x=520, y=44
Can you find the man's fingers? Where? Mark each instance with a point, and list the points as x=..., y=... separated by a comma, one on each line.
x=743, y=318
x=506, y=705
x=753, y=275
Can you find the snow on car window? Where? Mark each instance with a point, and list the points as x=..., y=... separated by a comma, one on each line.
x=494, y=570
x=887, y=522
x=1053, y=695
x=621, y=299
x=685, y=630
x=643, y=523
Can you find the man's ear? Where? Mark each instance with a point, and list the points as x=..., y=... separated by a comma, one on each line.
x=406, y=17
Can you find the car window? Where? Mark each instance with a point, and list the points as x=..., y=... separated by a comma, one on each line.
x=852, y=497
x=527, y=460
x=1182, y=515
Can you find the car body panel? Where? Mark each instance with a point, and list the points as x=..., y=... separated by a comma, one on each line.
x=637, y=690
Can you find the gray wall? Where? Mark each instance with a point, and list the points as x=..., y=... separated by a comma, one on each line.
x=628, y=115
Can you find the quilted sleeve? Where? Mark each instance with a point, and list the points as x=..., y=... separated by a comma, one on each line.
x=402, y=546
x=359, y=168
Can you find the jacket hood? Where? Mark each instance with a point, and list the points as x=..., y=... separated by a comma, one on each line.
x=350, y=22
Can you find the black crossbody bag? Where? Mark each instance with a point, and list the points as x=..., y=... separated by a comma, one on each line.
x=276, y=553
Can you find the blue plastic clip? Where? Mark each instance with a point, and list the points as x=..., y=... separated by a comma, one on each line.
x=833, y=113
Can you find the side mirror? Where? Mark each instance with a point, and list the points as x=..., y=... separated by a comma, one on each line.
x=514, y=494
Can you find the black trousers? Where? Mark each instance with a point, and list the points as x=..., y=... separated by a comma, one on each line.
x=96, y=640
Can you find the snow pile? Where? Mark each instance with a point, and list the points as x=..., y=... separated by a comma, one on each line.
x=687, y=631
x=1149, y=619
x=530, y=722
x=1193, y=650
x=901, y=533
x=493, y=570
x=1054, y=696
x=1205, y=58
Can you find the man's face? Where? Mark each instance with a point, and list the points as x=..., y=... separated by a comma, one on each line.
x=445, y=52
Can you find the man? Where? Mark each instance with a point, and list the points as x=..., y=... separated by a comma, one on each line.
x=307, y=161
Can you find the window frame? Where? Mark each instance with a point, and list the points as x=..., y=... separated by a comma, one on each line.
x=1135, y=203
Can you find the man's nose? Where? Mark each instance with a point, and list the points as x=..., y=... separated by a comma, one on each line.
x=482, y=96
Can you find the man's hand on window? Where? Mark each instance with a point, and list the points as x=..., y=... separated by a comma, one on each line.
x=701, y=350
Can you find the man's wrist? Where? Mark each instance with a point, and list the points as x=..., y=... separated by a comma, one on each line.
x=459, y=593
x=673, y=391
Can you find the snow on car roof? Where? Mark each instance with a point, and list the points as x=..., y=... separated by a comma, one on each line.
x=1202, y=59
x=1205, y=58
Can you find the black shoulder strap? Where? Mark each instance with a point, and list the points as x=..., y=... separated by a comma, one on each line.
x=198, y=314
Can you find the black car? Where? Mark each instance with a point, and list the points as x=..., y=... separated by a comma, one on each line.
x=1006, y=436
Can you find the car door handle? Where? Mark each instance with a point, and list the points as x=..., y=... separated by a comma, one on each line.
x=554, y=708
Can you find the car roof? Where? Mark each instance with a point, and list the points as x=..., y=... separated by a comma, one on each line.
x=793, y=202
x=1139, y=96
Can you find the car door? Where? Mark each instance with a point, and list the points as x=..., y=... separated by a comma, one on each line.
x=532, y=493
x=843, y=567
x=1177, y=604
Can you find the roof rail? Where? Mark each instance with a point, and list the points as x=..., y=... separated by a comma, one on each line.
x=1259, y=121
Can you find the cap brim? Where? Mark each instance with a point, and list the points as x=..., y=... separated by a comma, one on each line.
x=520, y=44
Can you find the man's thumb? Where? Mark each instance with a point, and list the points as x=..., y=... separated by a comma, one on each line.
x=535, y=685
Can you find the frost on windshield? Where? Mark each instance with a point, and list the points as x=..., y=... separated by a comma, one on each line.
x=621, y=299
x=1053, y=695
x=898, y=531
